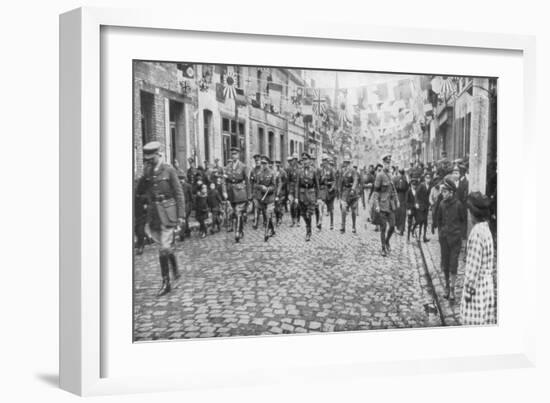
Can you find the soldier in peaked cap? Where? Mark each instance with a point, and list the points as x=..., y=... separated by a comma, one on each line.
x=280, y=197
x=292, y=177
x=266, y=189
x=165, y=209
x=255, y=197
x=191, y=170
x=327, y=187
x=307, y=191
x=238, y=192
x=385, y=203
x=349, y=196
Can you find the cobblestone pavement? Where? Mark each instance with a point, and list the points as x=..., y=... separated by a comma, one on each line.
x=336, y=282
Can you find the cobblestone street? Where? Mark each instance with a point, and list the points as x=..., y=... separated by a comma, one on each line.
x=336, y=282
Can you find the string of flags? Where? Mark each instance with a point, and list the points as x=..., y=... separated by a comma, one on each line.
x=312, y=104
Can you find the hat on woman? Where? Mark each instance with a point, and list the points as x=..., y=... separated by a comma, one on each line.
x=479, y=205
x=449, y=183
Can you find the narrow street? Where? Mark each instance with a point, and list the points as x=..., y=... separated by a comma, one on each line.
x=336, y=282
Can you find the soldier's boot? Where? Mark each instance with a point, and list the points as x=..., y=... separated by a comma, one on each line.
x=388, y=236
x=307, y=219
x=317, y=217
x=164, y=271
x=353, y=220
x=331, y=220
x=383, y=241
x=409, y=233
x=425, y=228
x=256, y=219
x=174, y=266
x=447, y=289
x=452, y=288
x=231, y=223
x=343, y=227
x=271, y=225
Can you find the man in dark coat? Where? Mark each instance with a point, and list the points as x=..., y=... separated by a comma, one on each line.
x=401, y=186
x=423, y=205
x=451, y=216
x=165, y=209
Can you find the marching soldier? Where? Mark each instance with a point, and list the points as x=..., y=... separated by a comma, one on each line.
x=165, y=209
x=237, y=192
x=255, y=195
x=385, y=203
x=307, y=191
x=349, y=196
x=327, y=188
x=292, y=175
x=265, y=189
x=280, y=197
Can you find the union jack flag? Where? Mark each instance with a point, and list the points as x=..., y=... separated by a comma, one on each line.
x=319, y=103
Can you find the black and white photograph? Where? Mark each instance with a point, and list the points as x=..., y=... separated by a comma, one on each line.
x=275, y=200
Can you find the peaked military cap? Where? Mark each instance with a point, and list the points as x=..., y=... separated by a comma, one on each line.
x=235, y=149
x=150, y=149
x=306, y=155
x=386, y=157
x=256, y=156
x=266, y=159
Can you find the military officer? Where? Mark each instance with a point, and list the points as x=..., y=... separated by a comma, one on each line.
x=256, y=196
x=327, y=188
x=292, y=175
x=385, y=203
x=165, y=209
x=266, y=188
x=307, y=191
x=237, y=192
x=281, y=193
x=349, y=196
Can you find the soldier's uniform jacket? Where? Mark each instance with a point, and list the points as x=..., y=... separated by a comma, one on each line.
x=253, y=178
x=307, y=185
x=237, y=184
x=266, y=184
x=282, y=180
x=349, y=182
x=292, y=178
x=164, y=194
x=327, y=182
x=385, y=196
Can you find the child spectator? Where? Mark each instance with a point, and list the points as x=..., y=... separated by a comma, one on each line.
x=215, y=205
x=201, y=209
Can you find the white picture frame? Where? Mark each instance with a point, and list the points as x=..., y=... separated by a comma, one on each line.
x=82, y=191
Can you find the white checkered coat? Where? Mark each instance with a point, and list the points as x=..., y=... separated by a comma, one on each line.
x=481, y=310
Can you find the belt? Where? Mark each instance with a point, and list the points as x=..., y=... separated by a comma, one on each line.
x=160, y=198
x=307, y=187
x=235, y=182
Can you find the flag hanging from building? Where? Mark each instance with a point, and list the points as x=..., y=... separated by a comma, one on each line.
x=319, y=103
x=448, y=87
x=187, y=70
x=229, y=85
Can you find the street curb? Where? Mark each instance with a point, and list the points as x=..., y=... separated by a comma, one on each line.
x=449, y=312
